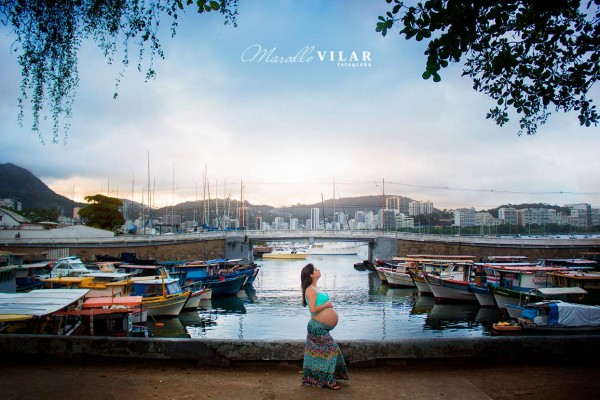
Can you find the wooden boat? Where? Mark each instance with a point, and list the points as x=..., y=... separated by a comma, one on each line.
x=452, y=289
x=434, y=264
x=560, y=316
x=196, y=295
x=107, y=321
x=589, y=281
x=133, y=304
x=510, y=284
x=224, y=286
x=574, y=294
x=398, y=275
x=162, y=296
x=506, y=328
x=35, y=311
x=100, y=284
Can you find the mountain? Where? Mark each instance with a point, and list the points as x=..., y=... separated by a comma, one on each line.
x=20, y=184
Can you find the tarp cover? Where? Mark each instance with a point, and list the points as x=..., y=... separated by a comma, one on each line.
x=570, y=314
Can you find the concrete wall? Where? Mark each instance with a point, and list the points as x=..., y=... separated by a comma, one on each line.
x=405, y=247
x=384, y=249
x=200, y=250
x=513, y=349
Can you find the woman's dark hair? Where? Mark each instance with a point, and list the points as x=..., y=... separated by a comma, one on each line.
x=306, y=280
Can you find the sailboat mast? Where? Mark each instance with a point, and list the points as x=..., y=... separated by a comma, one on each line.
x=334, y=200
x=204, y=197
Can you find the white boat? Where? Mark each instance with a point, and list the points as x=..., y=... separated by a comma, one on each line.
x=331, y=249
x=450, y=289
x=68, y=266
x=399, y=276
x=286, y=253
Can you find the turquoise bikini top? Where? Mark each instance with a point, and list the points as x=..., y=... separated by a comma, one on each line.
x=322, y=298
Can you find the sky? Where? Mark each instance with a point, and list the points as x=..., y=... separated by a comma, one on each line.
x=293, y=132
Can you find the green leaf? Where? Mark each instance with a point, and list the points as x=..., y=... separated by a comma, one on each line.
x=426, y=75
x=436, y=77
x=215, y=5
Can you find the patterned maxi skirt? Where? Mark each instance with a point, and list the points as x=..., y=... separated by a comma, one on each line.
x=323, y=360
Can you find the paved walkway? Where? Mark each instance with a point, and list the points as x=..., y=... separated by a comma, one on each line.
x=430, y=381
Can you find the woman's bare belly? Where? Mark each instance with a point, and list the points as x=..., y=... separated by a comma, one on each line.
x=328, y=317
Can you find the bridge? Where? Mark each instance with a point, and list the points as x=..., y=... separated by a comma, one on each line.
x=238, y=244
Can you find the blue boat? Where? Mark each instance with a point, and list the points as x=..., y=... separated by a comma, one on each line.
x=221, y=286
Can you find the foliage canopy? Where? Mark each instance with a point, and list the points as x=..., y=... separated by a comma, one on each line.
x=49, y=35
x=103, y=212
x=528, y=56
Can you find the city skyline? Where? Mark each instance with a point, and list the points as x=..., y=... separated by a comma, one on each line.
x=289, y=130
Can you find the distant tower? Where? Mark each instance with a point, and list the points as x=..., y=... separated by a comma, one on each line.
x=314, y=217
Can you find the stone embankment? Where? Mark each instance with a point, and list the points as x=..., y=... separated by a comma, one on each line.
x=211, y=352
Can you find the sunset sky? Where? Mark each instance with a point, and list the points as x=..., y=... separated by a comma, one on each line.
x=288, y=130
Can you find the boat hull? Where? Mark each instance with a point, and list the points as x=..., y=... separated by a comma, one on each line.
x=170, y=306
x=484, y=295
x=420, y=283
x=296, y=256
x=227, y=287
x=395, y=278
x=450, y=289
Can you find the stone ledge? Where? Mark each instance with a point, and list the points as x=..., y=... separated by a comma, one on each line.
x=516, y=349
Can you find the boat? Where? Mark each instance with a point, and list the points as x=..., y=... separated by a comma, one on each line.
x=510, y=284
x=162, y=296
x=68, y=266
x=109, y=318
x=331, y=249
x=506, y=328
x=575, y=263
x=452, y=288
x=134, y=304
x=443, y=266
x=222, y=286
x=397, y=275
x=35, y=311
x=560, y=316
x=129, y=258
x=587, y=280
x=196, y=296
x=284, y=253
x=570, y=294
x=100, y=284
x=225, y=277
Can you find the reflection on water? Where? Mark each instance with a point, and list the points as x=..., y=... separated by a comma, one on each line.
x=170, y=327
x=272, y=308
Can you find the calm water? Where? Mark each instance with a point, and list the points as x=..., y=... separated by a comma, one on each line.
x=272, y=308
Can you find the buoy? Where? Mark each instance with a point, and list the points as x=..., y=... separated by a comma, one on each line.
x=159, y=324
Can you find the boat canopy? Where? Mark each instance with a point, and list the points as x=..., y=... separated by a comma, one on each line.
x=127, y=301
x=39, y=302
x=555, y=291
x=562, y=313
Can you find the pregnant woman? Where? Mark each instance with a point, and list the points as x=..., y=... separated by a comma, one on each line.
x=323, y=360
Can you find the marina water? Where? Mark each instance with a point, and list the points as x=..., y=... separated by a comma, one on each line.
x=272, y=308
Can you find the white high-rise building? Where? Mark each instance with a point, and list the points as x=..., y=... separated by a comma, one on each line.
x=464, y=217
x=508, y=215
x=314, y=218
